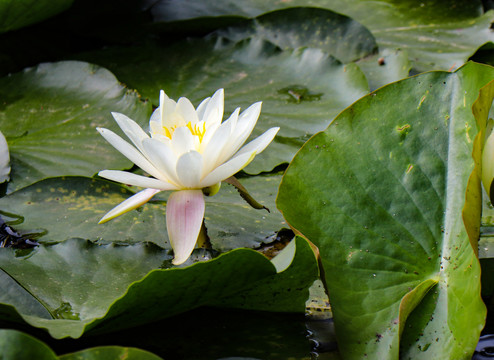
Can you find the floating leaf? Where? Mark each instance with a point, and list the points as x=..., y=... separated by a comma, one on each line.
x=105, y=288
x=60, y=208
x=49, y=116
x=381, y=193
x=436, y=34
x=18, y=345
x=336, y=34
x=286, y=291
x=385, y=67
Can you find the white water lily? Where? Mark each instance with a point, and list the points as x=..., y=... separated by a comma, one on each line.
x=188, y=150
x=4, y=159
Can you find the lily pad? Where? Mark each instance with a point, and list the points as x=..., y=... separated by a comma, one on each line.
x=57, y=209
x=15, y=14
x=438, y=35
x=302, y=90
x=385, y=67
x=18, y=345
x=336, y=34
x=381, y=193
x=288, y=290
x=49, y=114
x=104, y=288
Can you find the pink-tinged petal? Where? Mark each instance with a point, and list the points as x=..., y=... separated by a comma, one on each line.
x=189, y=169
x=162, y=157
x=259, y=143
x=215, y=107
x=131, y=203
x=130, y=152
x=185, y=107
x=184, y=217
x=125, y=177
x=182, y=141
x=231, y=167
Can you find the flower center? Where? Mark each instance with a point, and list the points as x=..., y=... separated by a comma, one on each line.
x=198, y=130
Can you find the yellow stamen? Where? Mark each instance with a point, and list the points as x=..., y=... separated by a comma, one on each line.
x=198, y=130
x=169, y=132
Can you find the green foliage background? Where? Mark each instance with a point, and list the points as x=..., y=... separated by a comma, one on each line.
x=381, y=191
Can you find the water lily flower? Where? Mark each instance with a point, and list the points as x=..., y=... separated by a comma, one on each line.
x=189, y=151
x=4, y=159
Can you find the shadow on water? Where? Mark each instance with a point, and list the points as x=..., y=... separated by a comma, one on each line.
x=208, y=333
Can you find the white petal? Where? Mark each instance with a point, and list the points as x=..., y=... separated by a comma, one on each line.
x=125, y=177
x=231, y=167
x=131, y=203
x=182, y=141
x=4, y=159
x=155, y=117
x=185, y=107
x=259, y=143
x=214, y=109
x=189, y=169
x=209, y=133
x=162, y=157
x=164, y=139
x=161, y=108
x=155, y=128
x=245, y=124
x=214, y=148
x=184, y=217
x=133, y=131
x=202, y=108
x=168, y=113
x=129, y=152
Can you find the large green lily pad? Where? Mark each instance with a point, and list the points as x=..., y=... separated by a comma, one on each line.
x=381, y=193
x=18, y=345
x=437, y=34
x=49, y=116
x=61, y=208
x=83, y=286
x=336, y=34
x=302, y=90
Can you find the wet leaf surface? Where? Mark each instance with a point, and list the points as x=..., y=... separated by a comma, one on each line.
x=381, y=193
x=49, y=116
